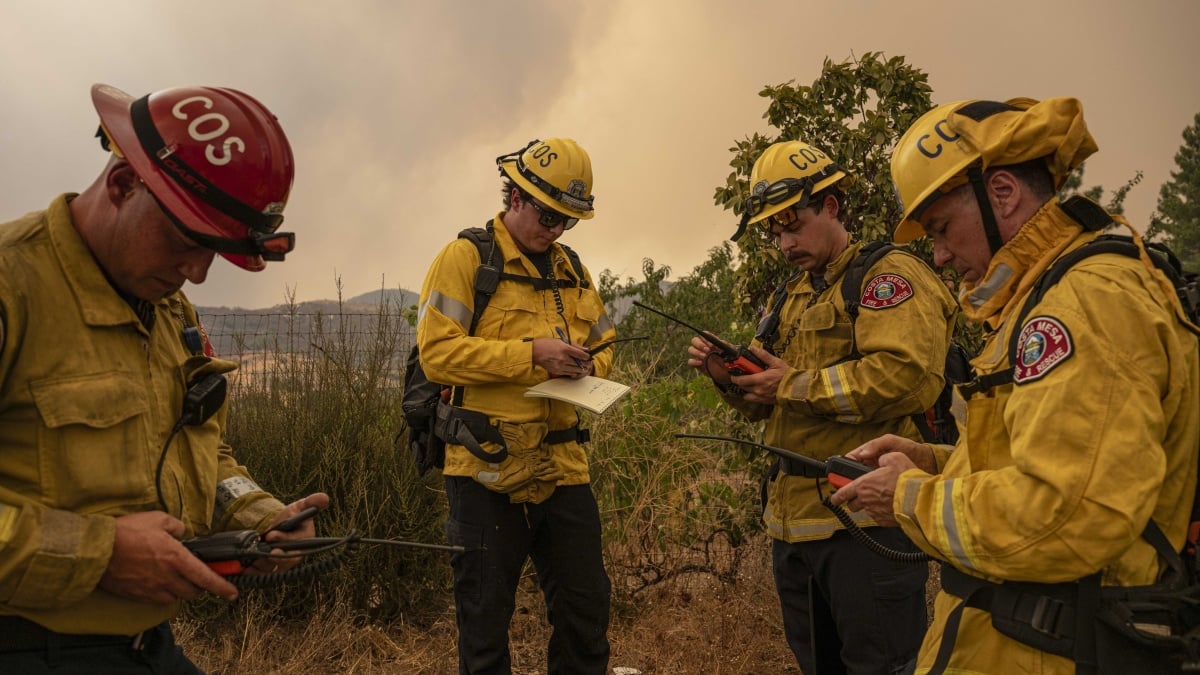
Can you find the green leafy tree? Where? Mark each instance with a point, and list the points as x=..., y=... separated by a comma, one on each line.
x=1177, y=218
x=855, y=111
x=1116, y=201
x=701, y=298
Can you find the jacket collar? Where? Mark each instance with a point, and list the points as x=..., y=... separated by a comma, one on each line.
x=95, y=297
x=1018, y=264
x=834, y=270
x=512, y=254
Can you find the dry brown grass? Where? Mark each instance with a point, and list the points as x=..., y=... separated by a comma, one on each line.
x=691, y=624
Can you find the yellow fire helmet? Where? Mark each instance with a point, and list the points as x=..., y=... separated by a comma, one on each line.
x=556, y=172
x=787, y=174
x=938, y=151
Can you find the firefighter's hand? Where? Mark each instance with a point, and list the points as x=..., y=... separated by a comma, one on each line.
x=562, y=359
x=763, y=387
x=873, y=492
x=305, y=530
x=702, y=357
x=148, y=563
x=921, y=454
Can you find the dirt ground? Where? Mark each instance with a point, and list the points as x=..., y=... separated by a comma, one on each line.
x=688, y=625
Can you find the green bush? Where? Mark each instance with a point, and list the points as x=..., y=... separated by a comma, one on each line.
x=320, y=411
x=324, y=415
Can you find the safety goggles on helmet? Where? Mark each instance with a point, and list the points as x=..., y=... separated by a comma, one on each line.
x=548, y=217
x=782, y=190
x=215, y=157
x=557, y=171
x=270, y=246
x=786, y=176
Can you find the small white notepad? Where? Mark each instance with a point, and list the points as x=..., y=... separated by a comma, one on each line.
x=594, y=394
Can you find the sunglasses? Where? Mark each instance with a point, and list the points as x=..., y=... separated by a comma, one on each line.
x=548, y=217
x=784, y=219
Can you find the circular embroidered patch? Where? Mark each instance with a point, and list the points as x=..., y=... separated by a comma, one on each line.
x=1044, y=343
x=886, y=290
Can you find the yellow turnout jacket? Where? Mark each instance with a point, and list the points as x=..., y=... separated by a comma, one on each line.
x=1059, y=471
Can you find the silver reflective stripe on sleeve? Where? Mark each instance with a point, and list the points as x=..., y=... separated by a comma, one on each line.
x=912, y=490
x=809, y=529
x=844, y=407
x=449, y=307
x=953, y=538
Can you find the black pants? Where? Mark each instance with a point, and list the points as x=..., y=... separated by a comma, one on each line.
x=31, y=650
x=562, y=536
x=848, y=610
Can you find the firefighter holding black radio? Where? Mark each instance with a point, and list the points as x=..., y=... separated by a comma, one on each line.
x=1072, y=483
x=103, y=466
x=837, y=375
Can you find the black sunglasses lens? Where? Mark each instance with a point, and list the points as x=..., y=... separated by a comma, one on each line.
x=550, y=219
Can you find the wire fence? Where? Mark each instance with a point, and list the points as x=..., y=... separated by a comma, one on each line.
x=330, y=382
x=266, y=345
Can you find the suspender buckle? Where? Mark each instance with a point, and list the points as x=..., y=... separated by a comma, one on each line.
x=1046, y=614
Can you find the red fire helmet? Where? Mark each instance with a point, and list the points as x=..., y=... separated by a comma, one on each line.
x=215, y=158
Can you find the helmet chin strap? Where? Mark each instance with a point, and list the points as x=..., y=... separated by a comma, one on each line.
x=975, y=175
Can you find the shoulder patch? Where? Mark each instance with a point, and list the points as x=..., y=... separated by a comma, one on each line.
x=1043, y=344
x=886, y=290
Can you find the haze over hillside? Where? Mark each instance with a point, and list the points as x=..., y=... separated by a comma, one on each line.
x=365, y=302
x=286, y=329
x=235, y=330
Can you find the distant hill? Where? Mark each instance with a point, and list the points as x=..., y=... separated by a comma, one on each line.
x=234, y=330
x=401, y=297
x=366, y=302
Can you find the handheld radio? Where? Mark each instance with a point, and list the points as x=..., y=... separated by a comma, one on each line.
x=738, y=360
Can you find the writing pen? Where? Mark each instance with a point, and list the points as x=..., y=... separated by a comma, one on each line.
x=563, y=337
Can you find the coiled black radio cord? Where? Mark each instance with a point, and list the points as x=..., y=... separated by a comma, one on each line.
x=860, y=535
x=338, y=552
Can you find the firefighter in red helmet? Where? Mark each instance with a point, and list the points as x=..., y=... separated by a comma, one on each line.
x=98, y=346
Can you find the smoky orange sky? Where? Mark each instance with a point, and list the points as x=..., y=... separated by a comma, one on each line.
x=396, y=110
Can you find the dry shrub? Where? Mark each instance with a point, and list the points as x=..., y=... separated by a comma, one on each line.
x=692, y=623
x=691, y=574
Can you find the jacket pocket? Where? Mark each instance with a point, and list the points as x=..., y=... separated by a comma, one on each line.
x=589, y=308
x=510, y=313
x=93, y=448
x=818, y=338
